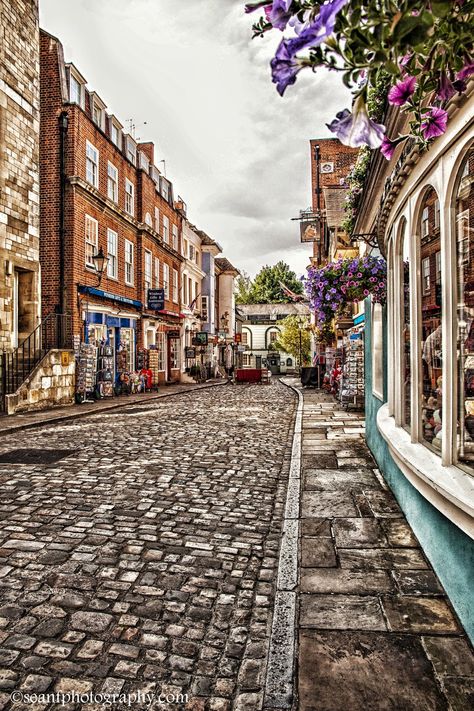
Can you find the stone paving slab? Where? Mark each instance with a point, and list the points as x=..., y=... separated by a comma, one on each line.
x=376, y=630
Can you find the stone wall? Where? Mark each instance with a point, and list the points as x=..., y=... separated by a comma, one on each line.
x=50, y=384
x=19, y=169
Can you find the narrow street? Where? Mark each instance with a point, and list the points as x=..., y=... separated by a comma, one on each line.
x=139, y=548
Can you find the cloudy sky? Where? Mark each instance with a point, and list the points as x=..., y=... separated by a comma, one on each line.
x=236, y=152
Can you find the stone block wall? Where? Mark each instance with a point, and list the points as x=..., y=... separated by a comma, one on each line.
x=51, y=384
x=19, y=167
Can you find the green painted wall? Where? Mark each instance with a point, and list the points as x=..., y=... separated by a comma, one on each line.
x=450, y=551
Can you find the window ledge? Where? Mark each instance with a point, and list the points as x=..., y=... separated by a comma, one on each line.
x=449, y=489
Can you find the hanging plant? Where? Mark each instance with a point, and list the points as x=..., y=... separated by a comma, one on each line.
x=425, y=46
x=334, y=286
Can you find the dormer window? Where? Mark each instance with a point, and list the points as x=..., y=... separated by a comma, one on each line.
x=97, y=115
x=75, y=90
x=131, y=150
x=115, y=135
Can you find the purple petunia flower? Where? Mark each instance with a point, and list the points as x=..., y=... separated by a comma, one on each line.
x=466, y=71
x=284, y=68
x=387, y=148
x=402, y=91
x=434, y=122
x=319, y=30
x=446, y=88
x=278, y=13
x=252, y=6
x=357, y=129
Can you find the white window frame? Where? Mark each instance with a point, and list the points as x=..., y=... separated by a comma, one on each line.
x=91, y=236
x=157, y=220
x=205, y=308
x=129, y=263
x=80, y=98
x=112, y=182
x=115, y=135
x=426, y=275
x=438, y=267
x=377, y=350
x=161, y=348
x=129, y=197
x=147, y=270
x=112, y=254
x=92, y=164
x=157, y=273
x=175, y=286
x=100, y=114
x=425, y=222
x=192, y=251
x=436, y=214
x=175, y=237
x=166, y=229
x=166, y=280
x=131, y=150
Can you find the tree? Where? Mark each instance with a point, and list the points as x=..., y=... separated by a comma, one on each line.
x=294, y=338
x=266, y=287
x=243, y=289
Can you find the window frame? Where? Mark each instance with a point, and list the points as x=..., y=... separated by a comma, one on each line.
x=112, y=264
x=175, y=286
x=129, y=198
x=129, y=251
x=90, y=220
x=95, y=173
x=166, y=229
x=110, y=181
x=147, y=270
x=166, y=280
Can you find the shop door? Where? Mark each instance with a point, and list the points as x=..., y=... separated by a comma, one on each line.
x=274, y=364
x=111, y=332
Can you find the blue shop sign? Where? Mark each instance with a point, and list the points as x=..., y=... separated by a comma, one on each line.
x=108, y=295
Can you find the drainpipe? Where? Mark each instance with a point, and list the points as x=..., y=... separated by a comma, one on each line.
x=61, y=308
x=317, y=157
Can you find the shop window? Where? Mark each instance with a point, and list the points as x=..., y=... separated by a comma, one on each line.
x=129, y=197
x=431, y=340
x=92, y=164
x=161, y=348
x=464, y=234
x=147, y=271
x=129, y=262
x=174, y=353
x=92, y=240
x=245, y=338
x=406, y=338
x=112, y=182
x=377, y=351
x=112, y=250
x=272, y=337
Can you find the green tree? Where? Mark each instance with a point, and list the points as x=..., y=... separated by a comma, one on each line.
x=266, y=287
x=295, y=338
x=243, y=289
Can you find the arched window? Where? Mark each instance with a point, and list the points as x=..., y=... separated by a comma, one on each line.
x=464, y=236
x=148, y=219
x=431, y=310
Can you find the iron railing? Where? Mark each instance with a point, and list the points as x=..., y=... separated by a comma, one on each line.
x=53, y=332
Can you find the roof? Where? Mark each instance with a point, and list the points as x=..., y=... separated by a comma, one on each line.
x=205, y=239
x=224, y=265
x=268, y=310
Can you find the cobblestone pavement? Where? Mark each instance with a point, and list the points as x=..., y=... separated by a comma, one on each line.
x=376, y=631
x=138, y=549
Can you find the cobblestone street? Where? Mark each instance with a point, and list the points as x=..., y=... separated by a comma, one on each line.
x=139, y=548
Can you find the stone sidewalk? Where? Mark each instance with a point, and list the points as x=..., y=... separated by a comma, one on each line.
x=16, y=423
x=376, y=631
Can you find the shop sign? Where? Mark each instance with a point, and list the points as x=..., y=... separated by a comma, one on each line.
x=156, y=299
x=200, y=338
x=173, y=334
x=238, y=338
x=241, y=349
x=222, y=334
x=64, y=359
x=190, y=353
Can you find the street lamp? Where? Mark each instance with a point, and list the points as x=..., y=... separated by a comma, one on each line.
x=100, y=264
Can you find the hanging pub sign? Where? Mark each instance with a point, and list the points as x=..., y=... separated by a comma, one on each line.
x=200, y=338
x=190, y=353
x=173, y=334
x=156, y=299
x=238, y=338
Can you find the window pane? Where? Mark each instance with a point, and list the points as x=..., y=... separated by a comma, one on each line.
x=431, y=355
x=406, y=370
x=465, y=312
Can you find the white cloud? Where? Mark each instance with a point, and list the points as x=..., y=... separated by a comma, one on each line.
x=236, y=151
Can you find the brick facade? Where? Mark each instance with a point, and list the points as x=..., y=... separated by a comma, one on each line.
x=139, y=221
x=335, y=163
x=19, y=170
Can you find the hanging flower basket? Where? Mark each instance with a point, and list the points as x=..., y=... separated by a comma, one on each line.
x=334, y=286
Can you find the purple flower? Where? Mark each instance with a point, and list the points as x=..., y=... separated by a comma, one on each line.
x=387, y=148
x=278, y=13
x=251, y=6
x=284, y=68
x=434, y=122
x=446, y=89
x=316, y=32
x=357, y=129
x=466, y=71
x=402, y=91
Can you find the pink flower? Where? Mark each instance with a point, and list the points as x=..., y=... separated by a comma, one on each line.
x=387, y=148
x=402, y=91
x=434, y=122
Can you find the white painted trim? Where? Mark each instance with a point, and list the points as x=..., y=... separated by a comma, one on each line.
x=448, y=488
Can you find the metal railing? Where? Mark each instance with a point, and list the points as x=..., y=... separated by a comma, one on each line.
x=53, y=332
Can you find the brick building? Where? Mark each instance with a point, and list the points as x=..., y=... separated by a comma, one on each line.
x=19, y=171
x=331, y=163
x=102, y=192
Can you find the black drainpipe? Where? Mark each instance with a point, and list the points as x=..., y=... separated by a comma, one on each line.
x=61, y=308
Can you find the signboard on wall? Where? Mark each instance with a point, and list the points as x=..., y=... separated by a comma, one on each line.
x=156, y=299
x=173, y=334
x=200, y=338
x=190, y=353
